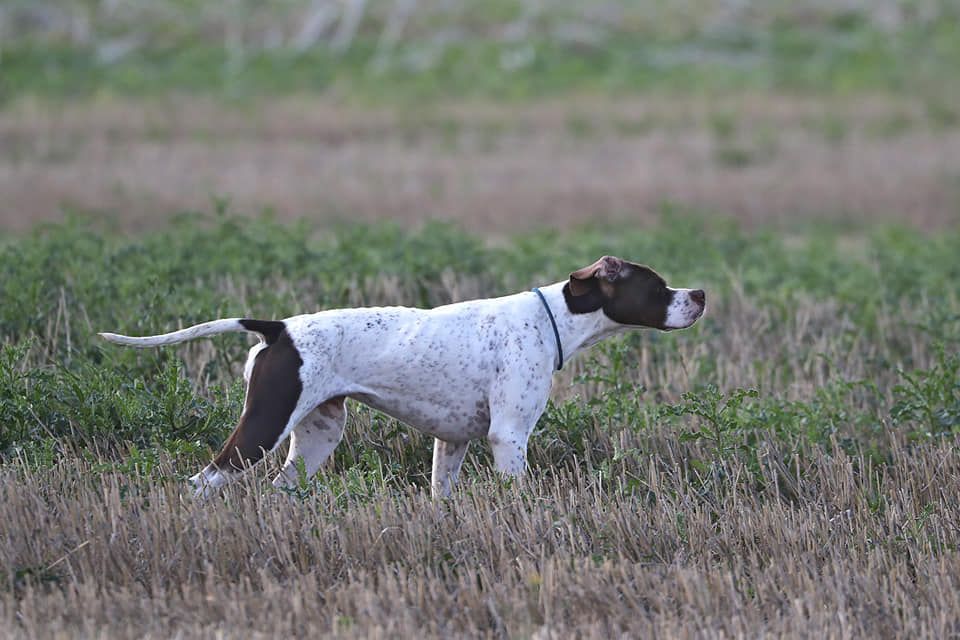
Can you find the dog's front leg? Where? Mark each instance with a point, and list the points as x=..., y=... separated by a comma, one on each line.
x=509, y=445
x=514, y=410
x=447, y=460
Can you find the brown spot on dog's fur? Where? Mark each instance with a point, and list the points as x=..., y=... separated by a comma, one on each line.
x=272, y=395
x=606, y=269
x=628, y=293
x=269, y=329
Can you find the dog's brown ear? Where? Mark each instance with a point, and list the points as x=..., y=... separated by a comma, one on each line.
x=606, y=268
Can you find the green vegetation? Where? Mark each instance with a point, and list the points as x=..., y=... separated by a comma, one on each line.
x=788, y=467
x=889, y=305
x=791, y=458
x=835, y=57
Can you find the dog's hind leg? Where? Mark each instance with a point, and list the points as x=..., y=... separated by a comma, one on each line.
x=273, y=405
x=313, y=440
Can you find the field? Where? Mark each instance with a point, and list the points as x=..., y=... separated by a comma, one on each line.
x=787, y=467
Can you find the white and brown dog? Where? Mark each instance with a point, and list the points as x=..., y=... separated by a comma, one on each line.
x=481, y=368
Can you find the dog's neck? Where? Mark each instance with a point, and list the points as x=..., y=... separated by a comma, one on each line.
x=577, y=330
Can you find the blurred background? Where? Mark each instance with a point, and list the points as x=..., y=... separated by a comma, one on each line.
x=503, y=115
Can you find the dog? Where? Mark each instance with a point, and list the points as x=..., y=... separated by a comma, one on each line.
x=474, y=369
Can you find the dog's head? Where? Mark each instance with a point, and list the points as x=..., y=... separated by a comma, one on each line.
x=632, y=294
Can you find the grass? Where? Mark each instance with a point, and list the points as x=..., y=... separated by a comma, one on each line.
x=785, y=467
x=856, y=550
x=502, y=168
x=781, y=54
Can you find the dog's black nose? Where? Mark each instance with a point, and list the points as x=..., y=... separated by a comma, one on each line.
x=698, y=296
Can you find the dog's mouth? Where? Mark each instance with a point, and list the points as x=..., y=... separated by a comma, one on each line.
x=686, y=307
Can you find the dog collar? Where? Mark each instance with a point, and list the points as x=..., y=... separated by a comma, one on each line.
x=553, y=323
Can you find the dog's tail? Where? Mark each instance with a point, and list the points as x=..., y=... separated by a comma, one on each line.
x=269, y=329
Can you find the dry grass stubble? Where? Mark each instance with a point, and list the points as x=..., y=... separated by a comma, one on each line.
x=820, y=544
x=498, y=168
x=826, y=546
x=857, y=553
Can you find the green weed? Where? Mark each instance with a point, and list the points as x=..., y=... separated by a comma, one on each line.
x=818, y=311
x=930, y=398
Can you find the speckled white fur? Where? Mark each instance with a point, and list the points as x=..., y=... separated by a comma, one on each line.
x=683, y=310
x=475, y=369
